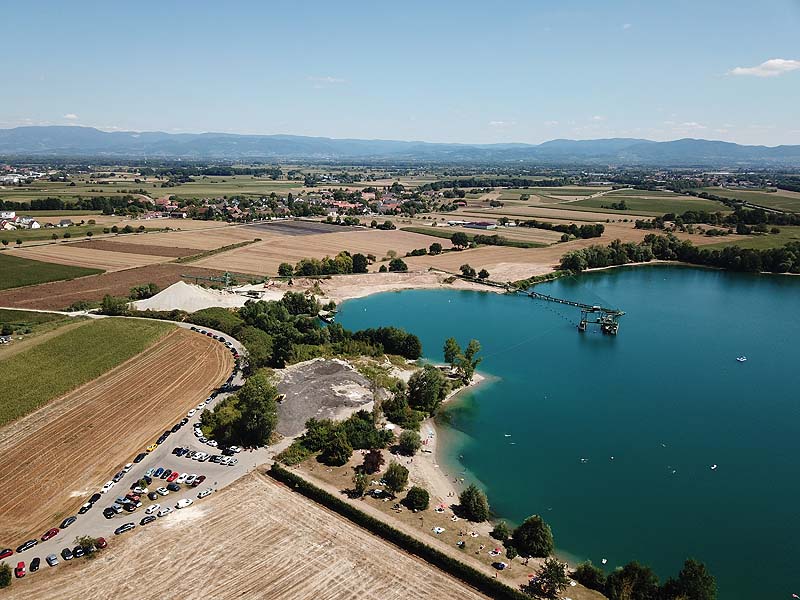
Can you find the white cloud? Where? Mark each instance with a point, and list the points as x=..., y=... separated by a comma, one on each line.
x=550, y=123
x=692, y=125
x=627, y=26
x=769, y=68
x=71, y=116
x=501, y=123
x=598, y=118
x=326, y=79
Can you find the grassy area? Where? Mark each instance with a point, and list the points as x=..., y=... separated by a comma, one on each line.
x=441, y=232
x=16, y=271
x=47, y=371
x=27, y=318
x=643, y=193
x=29, y=235
x=764, y=241
x=780, y=200
x=58, y=213
x=246, y=185
x=650, y=206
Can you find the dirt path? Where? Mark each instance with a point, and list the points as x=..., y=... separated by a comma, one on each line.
x=64, y=452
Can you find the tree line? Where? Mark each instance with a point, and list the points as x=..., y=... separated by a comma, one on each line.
x=492, y=182
x=668, y=247
x=583, y=231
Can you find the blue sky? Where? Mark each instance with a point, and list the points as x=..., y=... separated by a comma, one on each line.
x=480, y=72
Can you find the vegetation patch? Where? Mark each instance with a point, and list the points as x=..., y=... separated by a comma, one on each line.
x=17, y=272
x=490, y=240
x=42, y=373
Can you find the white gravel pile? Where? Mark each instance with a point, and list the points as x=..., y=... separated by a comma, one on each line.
x=184, y=296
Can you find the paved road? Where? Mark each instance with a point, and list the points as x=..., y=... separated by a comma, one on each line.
x=94, y=524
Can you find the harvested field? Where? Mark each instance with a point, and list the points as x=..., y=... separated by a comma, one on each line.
x=264, y=257
x=61, y=294
x=207, y=238
x=69, y=254
x=142, y=249
x=295, y=550
x=55, y=457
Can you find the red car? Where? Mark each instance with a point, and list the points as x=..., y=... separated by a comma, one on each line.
x=50, y=533
x=6, y=553
x=173, y=477
x=20, y=570
x=101, y=543
x=198, y=480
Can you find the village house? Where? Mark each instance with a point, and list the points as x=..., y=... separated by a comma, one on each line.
x=65, y=223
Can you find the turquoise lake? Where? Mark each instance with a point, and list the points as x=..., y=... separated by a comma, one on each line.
x=665, y=398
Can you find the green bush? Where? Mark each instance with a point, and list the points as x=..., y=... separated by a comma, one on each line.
x=417, y=498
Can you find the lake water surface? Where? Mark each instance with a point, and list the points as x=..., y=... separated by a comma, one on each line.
x=665, y=398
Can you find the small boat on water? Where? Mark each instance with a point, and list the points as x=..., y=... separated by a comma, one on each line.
x=713, y=467
x=741, y=358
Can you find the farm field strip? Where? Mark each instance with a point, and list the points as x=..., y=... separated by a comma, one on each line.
x=112, y=245
x=79, y=440
x=68, y=254
x=652, y=204
x=203, y=238
x=780, y=200
x=299, y=551
x=16, y=271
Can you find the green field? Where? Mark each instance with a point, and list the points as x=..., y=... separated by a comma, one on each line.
x=780, y=200
x=27, y=318
x=47, y=371
x=16, y=271
x=643, y=193
x=649, y=206
x=764, y=241
x=231, y=186
x=58, y=213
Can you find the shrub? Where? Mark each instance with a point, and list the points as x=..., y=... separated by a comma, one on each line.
x=501, y=532
x=5, y=575
x=590, y=576
x=417, y=498
x=398, y=265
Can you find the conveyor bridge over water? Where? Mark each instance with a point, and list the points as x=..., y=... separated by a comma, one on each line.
x=606, y=318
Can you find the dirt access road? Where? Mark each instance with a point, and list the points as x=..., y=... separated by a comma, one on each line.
x=254, y=539
x=55, y=458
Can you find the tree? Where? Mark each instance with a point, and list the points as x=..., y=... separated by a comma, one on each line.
x=435, y=248
x=19, y=242
x=53, y=237
x=590, y=576
x=5, y=575
x=483, y=274
x=257, y=402
x=396, y=478
x=113, y=306
x=459, y=240
x=632, y=582
x=427, y=389
x=67, y=235
x=373, y=461
x=451, y=351
x=360, y=263
x=533, y=537
x=467, y=271
x=501, y=532
x=469, y=361
x=694, y=582
x=89, y=234
x=383, y=269
x=417, y=498
x=360, y=484
x=473, y=504
x=549, y=582
x=285, y=270
x=409, y=443
x=338, y=450
x=398, y=265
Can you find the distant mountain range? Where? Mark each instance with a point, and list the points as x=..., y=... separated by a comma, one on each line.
x=87, y=142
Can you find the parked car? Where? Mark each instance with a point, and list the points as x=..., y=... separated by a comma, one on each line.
x=191, y=413
x=151, y=509
x=204, y=493
x=95, y=498
x=147, y=519
x=182, y=478
x=52, y=560
x=26, y=545
x=173, y=487
x=164, y=511
x=200, y=479
x=107, y=486
x=152, y=496
x=35, y=565
x=165, y=474
x=66, y=554
x=184, y=502
x=117, y=508
x=109, y=512
x=162, y=491
x=6, y=553
x=184, y=421
x=127, y=468
x=173, y=476
x=124, y=528
x=19, y=572
x=85, y=508
x=52, y=532
x=101, y=543
x=78, y=551
x=190, y=479
x=67, y=522
x=118, y=477
x=150, y=471
x=175, y=428
x=140, y=457
x=130, y=507
x=151, y=447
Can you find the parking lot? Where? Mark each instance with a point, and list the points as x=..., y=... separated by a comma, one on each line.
x=163, y=455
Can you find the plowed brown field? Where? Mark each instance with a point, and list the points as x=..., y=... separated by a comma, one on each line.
x=60, y=294
x=254, y=539
x=69, y=254
x=54, y=458
x=145, y=249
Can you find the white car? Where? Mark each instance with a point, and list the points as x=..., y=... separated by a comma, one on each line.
x=212, y=443
x=151, y=509
x=182, y=478
x=190, y=479
x=225, y=460
x=208, y=400
x=150, y=472
x=235, y=449
x=107, y=486
x=164, y=511
x=204, y=493
x=198, y=433
x=184, y=502
x=162, y=491
x=202, y=439
x=233, y=461
x=199, y=456
x=127, y=467
x=191, y=413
